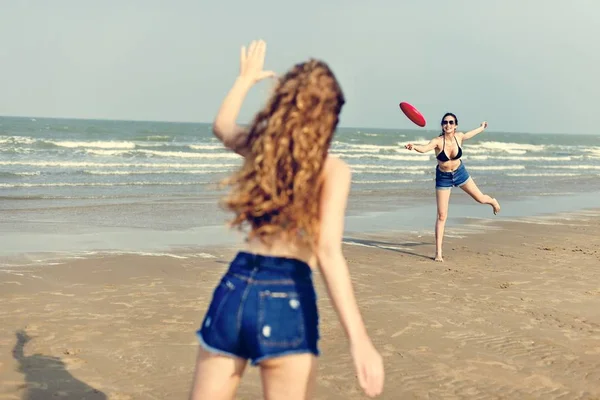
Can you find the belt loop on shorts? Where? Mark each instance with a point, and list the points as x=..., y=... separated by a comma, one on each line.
x=255, y=266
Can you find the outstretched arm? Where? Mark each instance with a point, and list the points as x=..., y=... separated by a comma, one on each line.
x=474, y=132
x=422, y=148
x=334, y=196
x=225, y=126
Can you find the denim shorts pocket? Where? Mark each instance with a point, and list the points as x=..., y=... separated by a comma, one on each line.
x=280, y=319
x=219, y=297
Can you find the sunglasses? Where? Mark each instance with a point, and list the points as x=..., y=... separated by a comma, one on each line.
x=447, y=122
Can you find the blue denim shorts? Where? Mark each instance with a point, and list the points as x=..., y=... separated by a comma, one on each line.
x=446, y=180
x=263, y=307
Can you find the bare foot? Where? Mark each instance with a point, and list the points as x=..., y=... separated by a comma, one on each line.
x=496, y=206
x=438, y=258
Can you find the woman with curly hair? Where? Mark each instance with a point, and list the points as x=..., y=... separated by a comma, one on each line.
x=292, y=196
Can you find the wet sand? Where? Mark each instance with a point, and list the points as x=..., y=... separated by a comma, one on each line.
x=513, y=313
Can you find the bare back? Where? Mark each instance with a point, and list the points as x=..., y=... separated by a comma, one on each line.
x=286, y=246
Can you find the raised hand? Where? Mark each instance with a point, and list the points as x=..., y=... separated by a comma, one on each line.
x=252, y=61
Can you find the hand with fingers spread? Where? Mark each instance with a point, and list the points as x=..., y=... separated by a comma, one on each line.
x=369, y=367
x=252, y=61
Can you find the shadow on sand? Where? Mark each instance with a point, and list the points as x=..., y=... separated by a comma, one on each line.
x=47, y=378
x=391, y=246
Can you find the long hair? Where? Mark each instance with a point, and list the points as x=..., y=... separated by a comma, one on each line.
x=276, y=191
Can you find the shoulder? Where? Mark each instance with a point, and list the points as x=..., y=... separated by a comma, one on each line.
x=336, y=167
x=437, y=140
x=336, y=172
x=336, y=179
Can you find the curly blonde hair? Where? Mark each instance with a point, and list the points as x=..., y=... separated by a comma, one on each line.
x=276, y=189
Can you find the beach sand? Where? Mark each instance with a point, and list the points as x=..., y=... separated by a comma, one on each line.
x=513, y=313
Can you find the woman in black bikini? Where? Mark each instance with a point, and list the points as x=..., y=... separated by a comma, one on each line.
x=450, y=172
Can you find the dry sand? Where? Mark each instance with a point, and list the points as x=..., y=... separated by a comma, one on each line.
x=513, y=313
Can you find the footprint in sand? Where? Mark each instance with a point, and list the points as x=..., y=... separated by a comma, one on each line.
x=389, y=350
x=410, y=326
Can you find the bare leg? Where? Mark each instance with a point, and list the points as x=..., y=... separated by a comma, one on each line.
x=471, y=188
x=289, y=377
x=443, y=199
x=217, y=377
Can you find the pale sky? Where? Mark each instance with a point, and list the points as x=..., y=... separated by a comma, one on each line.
x=522, y=65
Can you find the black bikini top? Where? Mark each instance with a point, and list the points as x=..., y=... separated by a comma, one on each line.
x=442, y=154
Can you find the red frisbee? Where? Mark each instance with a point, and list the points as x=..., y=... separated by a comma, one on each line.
x=413, y=114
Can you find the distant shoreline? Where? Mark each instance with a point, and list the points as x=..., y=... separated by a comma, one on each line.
x=416, y=129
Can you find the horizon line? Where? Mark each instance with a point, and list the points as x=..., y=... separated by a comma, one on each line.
x=210, y=123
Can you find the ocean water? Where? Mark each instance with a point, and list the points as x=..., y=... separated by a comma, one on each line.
x=78, y=177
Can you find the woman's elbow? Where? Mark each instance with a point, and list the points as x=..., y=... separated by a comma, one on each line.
x=218, y=129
